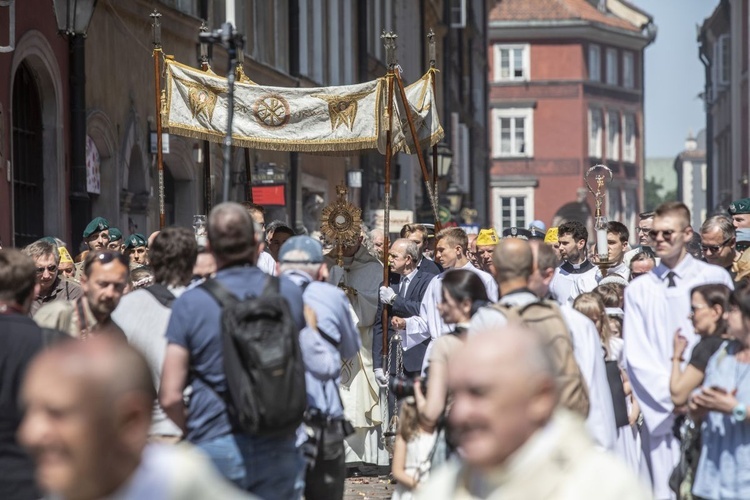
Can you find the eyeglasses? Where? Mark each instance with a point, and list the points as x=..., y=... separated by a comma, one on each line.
x=51, y=268
x=667, y=233
x=643, y=229
x=716, y=248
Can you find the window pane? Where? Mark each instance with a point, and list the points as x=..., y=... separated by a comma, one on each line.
x=504, y=63
x=517, y=63
x=520, y=136
x=505, y=136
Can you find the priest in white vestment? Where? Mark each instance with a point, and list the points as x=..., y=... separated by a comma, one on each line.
x=362, y=275
x=656, y=305
x=572, y=237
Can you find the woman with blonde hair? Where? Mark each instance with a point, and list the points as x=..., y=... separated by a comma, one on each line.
x=412, y=452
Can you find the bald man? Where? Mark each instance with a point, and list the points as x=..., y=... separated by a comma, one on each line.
x=515, y=441
x=88, y=412
x=514, y=265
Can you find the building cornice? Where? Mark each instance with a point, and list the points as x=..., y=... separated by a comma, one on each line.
x=573, y=29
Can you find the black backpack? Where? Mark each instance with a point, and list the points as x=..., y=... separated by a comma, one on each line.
x=262, y=360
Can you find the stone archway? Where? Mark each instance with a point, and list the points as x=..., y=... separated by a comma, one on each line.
x=34, y=51
x=135, y=195
x=180, y=174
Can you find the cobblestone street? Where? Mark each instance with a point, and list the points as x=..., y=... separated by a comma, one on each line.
x=368, y=488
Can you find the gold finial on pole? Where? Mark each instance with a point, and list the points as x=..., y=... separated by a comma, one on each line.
x=389, y=42
x=156, y=29
x=600, y=221
x=431, y=48
x=204, y=47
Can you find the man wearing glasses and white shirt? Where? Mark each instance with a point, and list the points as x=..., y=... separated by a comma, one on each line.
x=656, y=305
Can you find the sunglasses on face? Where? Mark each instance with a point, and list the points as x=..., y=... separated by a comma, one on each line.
x=51, y=268
x=715, y=248
x=666, y=234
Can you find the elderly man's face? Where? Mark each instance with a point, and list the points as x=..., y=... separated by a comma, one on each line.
x=105, y=286
x=484, y=256
x=68, y=430
x=46, y=272
x=377, y=242
x=397, y=258
x=98, y=240
x=716, y=248
x=67, y=270
x=491, y=413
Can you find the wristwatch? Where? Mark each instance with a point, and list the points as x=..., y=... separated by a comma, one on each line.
x=739, y=412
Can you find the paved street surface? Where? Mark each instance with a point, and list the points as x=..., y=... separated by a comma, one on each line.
x=370, y=486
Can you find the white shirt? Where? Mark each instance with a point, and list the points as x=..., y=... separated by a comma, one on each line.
x=405, y=282
x=562, y=282
x=589, y=280
x=267, y=263
x=588, y=353
x=429, y=323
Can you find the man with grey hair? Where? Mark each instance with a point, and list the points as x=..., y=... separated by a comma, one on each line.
x=403, y=300
x=51, y=286
x=330, y=336
x=515, y=441
x=717, y=242
x=377, y=239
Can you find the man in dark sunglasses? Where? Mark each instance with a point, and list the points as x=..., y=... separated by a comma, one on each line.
x=656, y=305
x=105, y=275
x=52, y=287
x=718, y=241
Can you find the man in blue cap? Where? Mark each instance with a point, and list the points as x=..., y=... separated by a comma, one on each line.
x=96, y=234
x=136, y=249
x=333, y=337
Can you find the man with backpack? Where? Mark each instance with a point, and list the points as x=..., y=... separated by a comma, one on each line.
x=235, y=341
x=144, y=313
x=331, y=335
x=525, y=269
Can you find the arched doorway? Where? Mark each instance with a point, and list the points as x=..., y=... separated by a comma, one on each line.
x=28, y=159
x=137, y=209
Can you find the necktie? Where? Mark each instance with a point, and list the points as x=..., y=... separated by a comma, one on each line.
x=671, y=276
x=402, y=288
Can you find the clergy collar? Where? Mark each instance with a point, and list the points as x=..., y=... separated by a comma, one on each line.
x=581, y=268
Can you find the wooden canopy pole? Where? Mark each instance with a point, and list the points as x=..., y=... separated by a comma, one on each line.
x=433, y=59
x=206, y=146
x=157, y=52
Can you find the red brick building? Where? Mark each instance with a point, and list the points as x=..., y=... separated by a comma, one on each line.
x=566, y=92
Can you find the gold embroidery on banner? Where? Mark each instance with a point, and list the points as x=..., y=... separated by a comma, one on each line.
x=272, y=111
x=201, y=98
x=342, y=109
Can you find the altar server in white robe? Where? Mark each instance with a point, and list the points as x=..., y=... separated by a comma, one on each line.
x=572, y=237
x=656, y=305
x=450, y=251
x=361, y=276
x=617, y=244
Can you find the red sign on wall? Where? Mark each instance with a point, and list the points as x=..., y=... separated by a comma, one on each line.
x=269, y=195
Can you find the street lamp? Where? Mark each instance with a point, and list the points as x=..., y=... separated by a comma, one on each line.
x=455, y=197
x=444, y=159
x=73, y=18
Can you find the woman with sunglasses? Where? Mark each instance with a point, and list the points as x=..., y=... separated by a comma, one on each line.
x=722, y=406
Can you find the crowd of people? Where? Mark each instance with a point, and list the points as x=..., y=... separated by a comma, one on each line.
x=527, y=364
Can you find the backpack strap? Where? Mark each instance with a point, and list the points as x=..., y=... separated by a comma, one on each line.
x=272, y=286
x=162, y=294
x=219, y=292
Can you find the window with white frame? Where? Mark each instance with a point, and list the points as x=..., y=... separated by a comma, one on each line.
x=612, y=67
x=613, y=135
x=722, y=59
x=628, y=69
x=596, y=132
x=513, y=207
x=595, y=63
x=513, y=132
x=628, y=140
x=511, y=62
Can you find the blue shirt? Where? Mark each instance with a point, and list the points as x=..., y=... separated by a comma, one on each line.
x=723, y=470
x=322, y=359
x=195, y=324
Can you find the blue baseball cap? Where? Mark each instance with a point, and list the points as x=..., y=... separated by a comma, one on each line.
x=301, y=250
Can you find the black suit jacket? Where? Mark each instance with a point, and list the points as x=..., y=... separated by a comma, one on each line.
x=430, y=266
x=403, y=307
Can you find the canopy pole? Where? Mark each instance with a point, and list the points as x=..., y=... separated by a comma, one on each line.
x=418, y=149
x=206, y=146
x=389, y=41
x=433, y=59
x=157, y=52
